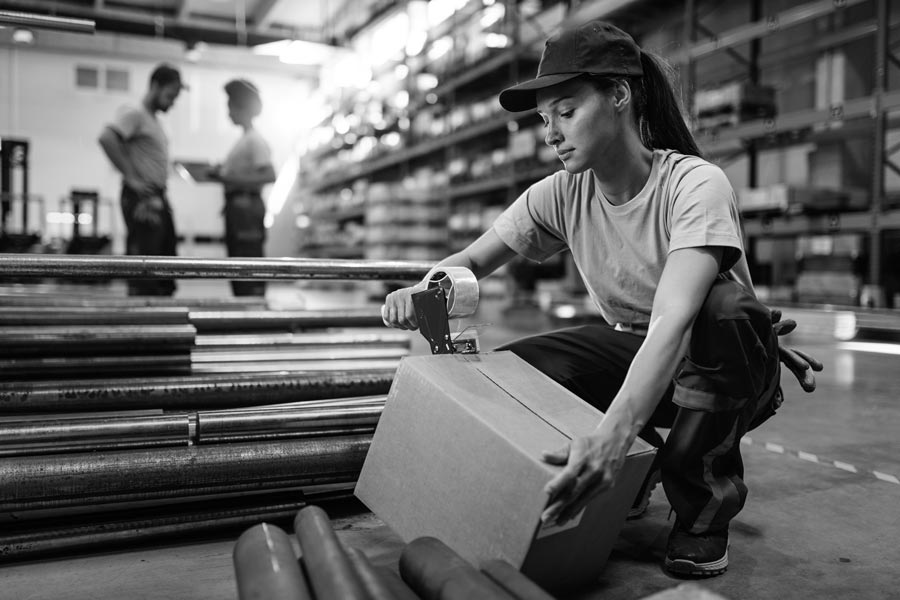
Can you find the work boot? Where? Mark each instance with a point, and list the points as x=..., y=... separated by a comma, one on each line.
x=642, y=500
x=704, y=554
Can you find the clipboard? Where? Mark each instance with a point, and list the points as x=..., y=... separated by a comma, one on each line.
x=194, y=171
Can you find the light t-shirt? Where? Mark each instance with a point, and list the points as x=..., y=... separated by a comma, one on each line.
x=620, y=251
x=248, y=154
x=146, y=141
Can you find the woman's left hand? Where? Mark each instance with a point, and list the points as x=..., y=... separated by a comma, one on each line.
x=591, y=465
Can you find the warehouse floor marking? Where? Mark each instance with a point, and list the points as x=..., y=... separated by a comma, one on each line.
x=808, y=457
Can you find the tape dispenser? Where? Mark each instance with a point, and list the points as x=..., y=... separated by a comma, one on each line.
x=451, y=293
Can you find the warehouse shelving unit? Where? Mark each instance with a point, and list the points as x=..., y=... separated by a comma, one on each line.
x=474, y=87
x=867, y=117
x=864, y=117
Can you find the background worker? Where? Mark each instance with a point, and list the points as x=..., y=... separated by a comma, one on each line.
x=655, y=233
x=138, y=148
x=246, y=169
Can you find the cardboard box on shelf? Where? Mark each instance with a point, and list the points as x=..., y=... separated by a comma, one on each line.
x=457, y=456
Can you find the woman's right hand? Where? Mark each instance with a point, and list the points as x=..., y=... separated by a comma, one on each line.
x=398, y=310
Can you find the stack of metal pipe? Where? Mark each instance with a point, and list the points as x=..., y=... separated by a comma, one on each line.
x=133, y=418
x=266, y=567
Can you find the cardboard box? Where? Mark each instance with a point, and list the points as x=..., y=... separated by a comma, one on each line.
x=457, y=456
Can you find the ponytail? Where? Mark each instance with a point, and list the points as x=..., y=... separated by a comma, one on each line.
x=658, y=113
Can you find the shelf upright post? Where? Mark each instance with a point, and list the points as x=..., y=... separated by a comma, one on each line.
x=689, y=76
x=753, y=65
x=877, y=200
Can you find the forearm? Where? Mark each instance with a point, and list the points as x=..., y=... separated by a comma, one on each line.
x=118, y=155
x=482, y=257
x=648, y=378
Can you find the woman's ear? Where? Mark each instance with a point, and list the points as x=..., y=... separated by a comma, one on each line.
x=621, y=94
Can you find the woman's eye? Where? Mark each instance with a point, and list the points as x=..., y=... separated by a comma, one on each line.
x=566, y=114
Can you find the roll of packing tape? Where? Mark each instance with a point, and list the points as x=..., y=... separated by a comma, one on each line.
x=461, y=287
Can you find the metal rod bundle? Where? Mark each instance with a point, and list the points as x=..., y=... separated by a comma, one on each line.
x=191, y=392
x=72, y=480
x=117, y=526
x=180, y=267
x=91, y=434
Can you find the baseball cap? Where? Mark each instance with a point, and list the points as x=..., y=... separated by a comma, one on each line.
x=595, y=47
x=166, y=74
x=241, y=88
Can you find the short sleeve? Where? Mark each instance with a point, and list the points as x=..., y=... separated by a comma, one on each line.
x=531, y=224
x=704, y=213
x=260, y=154
x=126, y=122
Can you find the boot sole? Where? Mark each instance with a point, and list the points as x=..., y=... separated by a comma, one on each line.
x=689, y=567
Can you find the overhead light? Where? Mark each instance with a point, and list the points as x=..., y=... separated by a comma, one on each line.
x=20, y=35
x=297, y=52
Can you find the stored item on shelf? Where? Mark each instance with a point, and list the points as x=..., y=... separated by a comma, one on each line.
x=848, y=245
x=790, y=199
x=733, y=103
x=522, y=144
x=457, y=456
x=829, y=287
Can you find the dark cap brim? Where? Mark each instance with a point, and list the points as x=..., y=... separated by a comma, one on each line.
x=524, y=96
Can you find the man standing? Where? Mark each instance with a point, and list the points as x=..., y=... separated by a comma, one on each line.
x=137, y=146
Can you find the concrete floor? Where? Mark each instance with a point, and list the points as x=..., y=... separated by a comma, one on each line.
x=821, y=520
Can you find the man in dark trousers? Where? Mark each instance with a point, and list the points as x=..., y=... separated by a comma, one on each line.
x=138, y=147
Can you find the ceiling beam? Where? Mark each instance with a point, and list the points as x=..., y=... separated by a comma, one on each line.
x=183, y=10
x=137, y=22
x=262, y=16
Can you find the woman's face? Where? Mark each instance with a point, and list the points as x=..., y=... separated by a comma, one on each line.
x=581, y=123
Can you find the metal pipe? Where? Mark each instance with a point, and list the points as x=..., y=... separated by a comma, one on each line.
x=94, y=366
x=21, y=19
x=45, y=436
x=58, y=300
x=312, y=366
x=265, y=566
x=283, y=320
x=222, y=426
x=295, y=356
x=114, y=525
x=376, y=584
x=77, y=315
x=93, y=434
x=81, y=340
x=66, y=480
x=433, y=570
x=386, y=338
x=183, y=267
x=331, y=575
x=191, y=392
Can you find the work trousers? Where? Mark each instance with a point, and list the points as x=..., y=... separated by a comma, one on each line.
x=148, y=239
x=728, y=383
x=245, y=233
